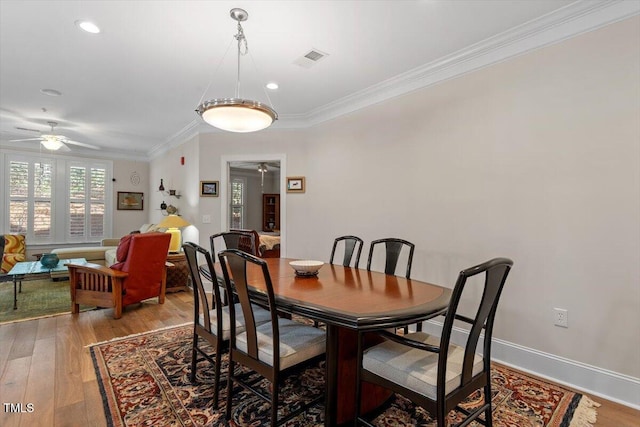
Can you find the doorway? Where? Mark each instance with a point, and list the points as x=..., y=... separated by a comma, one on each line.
x=248, y=183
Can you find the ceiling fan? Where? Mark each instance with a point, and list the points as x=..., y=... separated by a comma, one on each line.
x=55, y=142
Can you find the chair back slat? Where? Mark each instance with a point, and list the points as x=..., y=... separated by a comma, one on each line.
x=200, y=300
x=393, y=248
x=496, y=272
x=351, y=243
x=234, y=267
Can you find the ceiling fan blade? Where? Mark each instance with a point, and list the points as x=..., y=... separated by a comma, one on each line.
x=27, y=129
x=81, y=144
x=27, y=139
x=64, y=147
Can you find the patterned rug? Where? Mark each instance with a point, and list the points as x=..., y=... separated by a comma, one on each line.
x=144, y=381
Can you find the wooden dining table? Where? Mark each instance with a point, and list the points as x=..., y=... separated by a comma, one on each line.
x=349, y=300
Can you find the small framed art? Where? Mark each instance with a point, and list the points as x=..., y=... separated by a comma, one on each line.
x=295, y=184
x=128, y=201
x=209, y=188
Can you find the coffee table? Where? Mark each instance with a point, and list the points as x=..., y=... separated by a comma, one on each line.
x=34, y=270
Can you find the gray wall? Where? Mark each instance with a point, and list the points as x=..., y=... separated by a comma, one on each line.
x=536, y=158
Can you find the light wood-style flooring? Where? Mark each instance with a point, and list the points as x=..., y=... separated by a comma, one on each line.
x=45, y=362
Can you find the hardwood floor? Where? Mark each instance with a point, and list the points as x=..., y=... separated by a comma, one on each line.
x=45, y=363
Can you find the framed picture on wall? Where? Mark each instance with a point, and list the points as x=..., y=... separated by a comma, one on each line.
x=128, y=201
x=209, y=188
x=295, y=184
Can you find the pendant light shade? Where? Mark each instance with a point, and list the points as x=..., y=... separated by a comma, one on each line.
x=237, y=114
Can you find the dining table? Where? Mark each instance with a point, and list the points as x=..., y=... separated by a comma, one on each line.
x=349, y=301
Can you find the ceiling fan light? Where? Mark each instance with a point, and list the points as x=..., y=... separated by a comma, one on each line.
x=88, y=26
x=237, y=115
x=52, y=143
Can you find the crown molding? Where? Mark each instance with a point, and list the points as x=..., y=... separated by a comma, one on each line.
x=572, y=20
x=191, y=130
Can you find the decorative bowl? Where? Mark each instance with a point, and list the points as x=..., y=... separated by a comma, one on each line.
x=306, y=267
x=49, y=260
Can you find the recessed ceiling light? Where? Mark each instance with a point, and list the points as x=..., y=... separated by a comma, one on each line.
x=51, y=92
x=272, y=86
x=88, y=26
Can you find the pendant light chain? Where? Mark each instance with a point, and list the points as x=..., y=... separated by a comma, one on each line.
x=242, y=41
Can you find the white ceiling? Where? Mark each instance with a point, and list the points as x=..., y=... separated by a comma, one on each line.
x=133, y=88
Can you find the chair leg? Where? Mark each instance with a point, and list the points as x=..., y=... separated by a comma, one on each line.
x=216, y=381
x=194, y=358
x=488, y=414
x=441, y=416
x=229, y=390
x=274, y=405
x=419, y=327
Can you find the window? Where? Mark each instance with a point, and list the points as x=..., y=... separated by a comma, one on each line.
x=30, y=197
x=56, y=200
x=86, y=201
x=238, y=186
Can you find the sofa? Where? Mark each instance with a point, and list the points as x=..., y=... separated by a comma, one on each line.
x=105, y=254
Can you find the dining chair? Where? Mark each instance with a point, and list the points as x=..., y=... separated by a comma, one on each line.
x=431, y=371
x=232, y=239
x=211, y=320
x=245, y=241
x=270, y=349
x=351, y=244
x=393, y=249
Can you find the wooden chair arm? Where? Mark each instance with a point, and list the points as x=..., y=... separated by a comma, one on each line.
x=96, y=269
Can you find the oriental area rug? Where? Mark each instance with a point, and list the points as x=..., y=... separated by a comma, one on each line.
x=144, y=380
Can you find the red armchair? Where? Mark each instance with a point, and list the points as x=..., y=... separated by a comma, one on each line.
x=140, y=276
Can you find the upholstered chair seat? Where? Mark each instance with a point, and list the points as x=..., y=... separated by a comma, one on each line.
x=296, y=344
x=261, y=316
x=417, y=370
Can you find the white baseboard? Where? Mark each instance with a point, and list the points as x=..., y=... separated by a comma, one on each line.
x=593, y=380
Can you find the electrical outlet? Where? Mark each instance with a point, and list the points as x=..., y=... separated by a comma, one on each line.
x=206, y=219
x=561, y=317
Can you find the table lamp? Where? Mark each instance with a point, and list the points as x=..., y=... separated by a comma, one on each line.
x=173, y=223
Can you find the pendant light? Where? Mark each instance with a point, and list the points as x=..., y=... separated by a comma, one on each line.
x=237, y=114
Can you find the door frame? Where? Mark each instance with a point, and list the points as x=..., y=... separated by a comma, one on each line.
x=225, y=190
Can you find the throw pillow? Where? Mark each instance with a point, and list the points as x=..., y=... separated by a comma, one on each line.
x=123, y=247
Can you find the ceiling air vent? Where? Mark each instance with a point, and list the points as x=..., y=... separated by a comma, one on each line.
x=310, y=58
